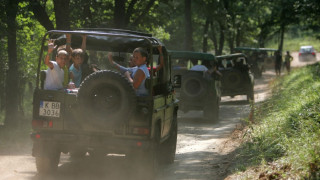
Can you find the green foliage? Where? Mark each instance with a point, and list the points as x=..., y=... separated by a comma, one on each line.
x=294, y=38
x=287, y=131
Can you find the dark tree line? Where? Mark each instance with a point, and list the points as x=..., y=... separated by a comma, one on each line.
x=198, y=25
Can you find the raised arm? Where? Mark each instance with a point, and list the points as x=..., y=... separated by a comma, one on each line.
x=116, y=65
x=84, y=42
x=110, y=58
x=68, y=44
x=159, y=66
x=50, y=49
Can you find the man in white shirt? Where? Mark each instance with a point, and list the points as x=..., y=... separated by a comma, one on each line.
x=198, y=67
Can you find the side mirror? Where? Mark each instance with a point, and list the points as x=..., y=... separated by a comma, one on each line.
x=177, y=81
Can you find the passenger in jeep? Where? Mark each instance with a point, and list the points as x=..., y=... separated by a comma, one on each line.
x=140, y=59
x=132, y=67
x=75, y=69
x=55, y=73
x=139, y=73
x=126, y=71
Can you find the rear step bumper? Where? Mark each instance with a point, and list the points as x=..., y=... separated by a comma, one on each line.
x=66, y=142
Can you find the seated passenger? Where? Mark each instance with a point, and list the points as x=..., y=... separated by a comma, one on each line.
x=86, y=68
x=55, y=72
x=75, y=68
x=140, y=72
x=123, y=70
x=140, y=58
x=77, y=59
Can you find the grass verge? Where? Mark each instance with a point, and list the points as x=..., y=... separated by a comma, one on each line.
x=284, y=140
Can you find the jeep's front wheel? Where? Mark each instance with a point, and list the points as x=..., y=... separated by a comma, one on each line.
x=48, y=164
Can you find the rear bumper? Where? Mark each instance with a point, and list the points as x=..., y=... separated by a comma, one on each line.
x=66, y=142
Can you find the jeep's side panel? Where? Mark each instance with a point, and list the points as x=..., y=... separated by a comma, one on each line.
x=168, y=114
x=159, y=113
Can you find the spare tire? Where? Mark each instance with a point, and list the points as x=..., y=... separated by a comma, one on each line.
x=232, y=79
x=194, y=85
x=106, y=98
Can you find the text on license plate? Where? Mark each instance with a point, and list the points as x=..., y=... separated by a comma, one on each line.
x=49, y=108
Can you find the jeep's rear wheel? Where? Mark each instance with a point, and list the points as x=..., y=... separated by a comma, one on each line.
x=106, y=98
x=48, y=164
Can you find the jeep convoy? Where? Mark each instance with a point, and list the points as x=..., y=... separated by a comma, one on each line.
x=104, y=115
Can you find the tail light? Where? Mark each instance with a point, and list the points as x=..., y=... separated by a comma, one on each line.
x=140, y=131
x=313, y=53
x=299, y=54
x=42, y=124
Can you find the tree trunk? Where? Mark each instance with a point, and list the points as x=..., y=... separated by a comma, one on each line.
x=144, y=12
x=214, y=38
x=119, y=13
x=61, y=9
x=238, y=37
x=41, y=14
x=282, y=29
x=130, y=11
x=221, y=40
x=231, y=41
x=12, y=118
x=188, y=26
x=205, y=36
x=2, y=75
x=87, y=15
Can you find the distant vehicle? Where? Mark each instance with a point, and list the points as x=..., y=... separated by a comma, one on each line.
x=307, y=53
x=258, y=58
x=199, y=90
x=237, y=78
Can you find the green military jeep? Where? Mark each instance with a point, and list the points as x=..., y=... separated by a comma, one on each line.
x=104, y=115
x=237, y=78
x=199, y=89
x=259, y=58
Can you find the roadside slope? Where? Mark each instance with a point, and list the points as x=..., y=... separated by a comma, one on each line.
x=283, y=142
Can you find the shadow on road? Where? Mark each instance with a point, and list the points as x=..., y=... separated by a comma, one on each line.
x=109, y=167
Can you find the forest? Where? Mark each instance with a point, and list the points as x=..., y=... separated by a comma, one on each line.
x=215, y=26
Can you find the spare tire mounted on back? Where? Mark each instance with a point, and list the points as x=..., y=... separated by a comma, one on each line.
x=194, y=85
x=106, y=98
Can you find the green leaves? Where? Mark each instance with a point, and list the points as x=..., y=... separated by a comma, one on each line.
x=289, y=128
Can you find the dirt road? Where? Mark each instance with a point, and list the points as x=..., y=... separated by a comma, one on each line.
x=201, y=152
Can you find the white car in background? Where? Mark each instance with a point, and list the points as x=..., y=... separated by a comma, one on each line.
x=307, y=53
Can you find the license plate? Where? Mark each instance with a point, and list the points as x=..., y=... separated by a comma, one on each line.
x=49, y=108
